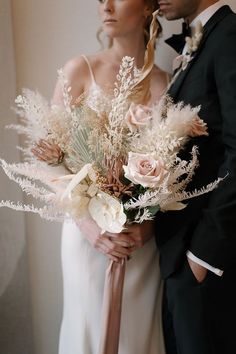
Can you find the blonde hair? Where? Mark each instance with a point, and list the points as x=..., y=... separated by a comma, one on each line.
x=153, y=5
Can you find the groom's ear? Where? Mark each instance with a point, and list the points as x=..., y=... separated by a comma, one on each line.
x=147, y=11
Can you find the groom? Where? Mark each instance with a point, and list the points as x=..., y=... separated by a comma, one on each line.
x=198, y=245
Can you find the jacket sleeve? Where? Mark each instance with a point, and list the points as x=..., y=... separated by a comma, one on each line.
x=214, y=238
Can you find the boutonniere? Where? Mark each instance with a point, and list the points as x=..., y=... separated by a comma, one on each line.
x=191, y=46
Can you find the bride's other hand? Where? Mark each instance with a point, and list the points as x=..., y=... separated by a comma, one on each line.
x=139, y=234
x=107, y=243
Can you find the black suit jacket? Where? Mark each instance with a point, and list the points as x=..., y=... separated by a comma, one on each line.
x=207, y=226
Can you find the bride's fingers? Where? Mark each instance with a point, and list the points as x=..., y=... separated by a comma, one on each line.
x=117, y=248
x=103, y=249
x=139, y=234
x=110, y=256
x=114, y=249
x=120, y=239
x=120, y=242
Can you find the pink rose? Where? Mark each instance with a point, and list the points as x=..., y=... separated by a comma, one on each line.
x=138, y=116
x=198, y=127
x=145, y=170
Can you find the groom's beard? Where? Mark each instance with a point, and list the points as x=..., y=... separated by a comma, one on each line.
x=177, y=9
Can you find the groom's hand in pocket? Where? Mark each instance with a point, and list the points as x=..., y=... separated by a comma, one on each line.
x=198, y=270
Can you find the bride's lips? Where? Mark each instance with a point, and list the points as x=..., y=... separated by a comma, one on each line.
x=109, y=20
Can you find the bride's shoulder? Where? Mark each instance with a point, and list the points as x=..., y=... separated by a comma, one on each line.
x=99, y=59
x=76, y=69
x=80, y=67
x=77, y=74
x=79, y=71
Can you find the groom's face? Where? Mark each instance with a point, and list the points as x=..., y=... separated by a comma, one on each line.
x=176, y=9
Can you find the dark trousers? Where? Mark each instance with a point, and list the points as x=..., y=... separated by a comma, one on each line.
x=200, y=318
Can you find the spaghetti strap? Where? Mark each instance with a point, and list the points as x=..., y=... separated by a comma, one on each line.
x=90, y=69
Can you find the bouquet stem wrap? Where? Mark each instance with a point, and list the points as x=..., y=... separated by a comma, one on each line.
x=112, y=304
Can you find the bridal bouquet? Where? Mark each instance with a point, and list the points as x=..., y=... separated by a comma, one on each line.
x=120, y=164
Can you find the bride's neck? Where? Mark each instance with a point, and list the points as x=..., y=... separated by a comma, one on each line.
x=134, y=49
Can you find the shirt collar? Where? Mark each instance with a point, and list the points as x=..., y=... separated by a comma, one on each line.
x=205, y=15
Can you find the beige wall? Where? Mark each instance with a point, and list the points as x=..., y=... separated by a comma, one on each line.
x=15, y=320
x=47, y=33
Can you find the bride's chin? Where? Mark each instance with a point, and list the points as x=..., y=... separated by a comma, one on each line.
x=111, y=32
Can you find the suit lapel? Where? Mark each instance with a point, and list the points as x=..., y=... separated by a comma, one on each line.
x=208, y=28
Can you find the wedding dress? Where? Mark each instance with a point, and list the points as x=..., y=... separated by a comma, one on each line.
x=83, y=282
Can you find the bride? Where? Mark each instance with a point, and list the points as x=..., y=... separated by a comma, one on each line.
x=85, y=252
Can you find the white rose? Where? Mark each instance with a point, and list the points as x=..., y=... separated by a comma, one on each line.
x=137, y=116
x=145, y=170
x=108, y=212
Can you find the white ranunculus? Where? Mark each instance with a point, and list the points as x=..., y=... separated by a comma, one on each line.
x=108, y=212
x=145, y=170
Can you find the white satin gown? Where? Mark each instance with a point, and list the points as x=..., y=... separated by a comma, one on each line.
x=83, y=283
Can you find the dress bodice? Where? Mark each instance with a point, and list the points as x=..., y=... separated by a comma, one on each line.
x=96, y=98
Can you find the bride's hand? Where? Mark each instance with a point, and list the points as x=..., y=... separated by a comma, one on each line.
x=139, y=234
x=114, y=246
